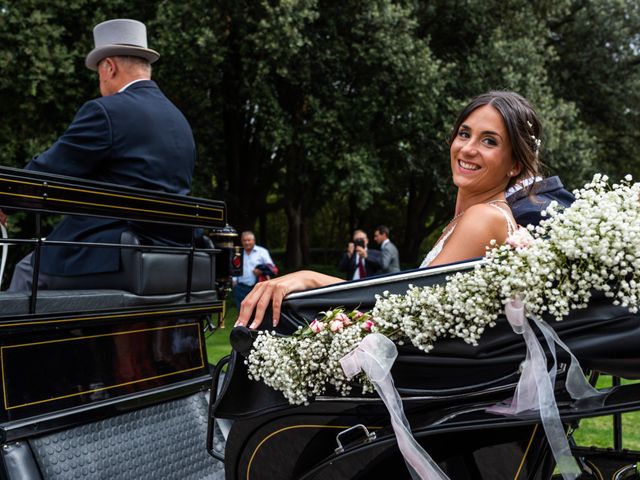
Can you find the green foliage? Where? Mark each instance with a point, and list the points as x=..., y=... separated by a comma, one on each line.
x=44, y=80
x=334, y=115
x=190, y=37
x=597, y=67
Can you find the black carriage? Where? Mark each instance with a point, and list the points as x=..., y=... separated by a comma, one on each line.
x=445, y=395
x=104, y=382
x=107, y=376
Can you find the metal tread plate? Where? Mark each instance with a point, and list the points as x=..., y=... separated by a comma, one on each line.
x=163, y=441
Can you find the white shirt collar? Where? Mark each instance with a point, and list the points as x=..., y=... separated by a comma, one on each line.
x=522, y=184
x=131, y=83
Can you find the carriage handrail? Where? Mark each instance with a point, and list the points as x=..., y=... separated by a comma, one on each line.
x=142, y=248
x=380, y=280
x=37, y=192
x=45, y=192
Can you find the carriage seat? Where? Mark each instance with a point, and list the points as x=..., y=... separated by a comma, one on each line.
x=144, y=272
x=146, y=278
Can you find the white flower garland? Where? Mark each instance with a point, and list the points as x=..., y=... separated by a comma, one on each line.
x=593, y=245
x=305, y=363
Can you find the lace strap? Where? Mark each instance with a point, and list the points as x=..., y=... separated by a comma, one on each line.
x=437, y=248
x=511, y=227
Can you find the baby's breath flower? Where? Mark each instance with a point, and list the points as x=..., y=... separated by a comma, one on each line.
x=593, y=245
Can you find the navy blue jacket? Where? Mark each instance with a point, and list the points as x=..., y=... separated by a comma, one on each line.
x=136, y=138
x=526, y=206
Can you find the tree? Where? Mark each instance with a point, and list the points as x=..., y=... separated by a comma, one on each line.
x=324, y=108
x=306, y=91
x=44, y=81
x=505, y=50
x=598, y=68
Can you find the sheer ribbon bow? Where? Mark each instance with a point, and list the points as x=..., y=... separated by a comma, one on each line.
x=375, y=356
x=535, y=388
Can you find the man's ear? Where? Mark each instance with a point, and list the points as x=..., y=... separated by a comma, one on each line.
x=111, y=67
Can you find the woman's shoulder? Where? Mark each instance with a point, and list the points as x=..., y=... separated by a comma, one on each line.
x=484, y=218
x=487, y=211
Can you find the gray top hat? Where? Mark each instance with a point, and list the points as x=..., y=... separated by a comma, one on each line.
x=120, y=37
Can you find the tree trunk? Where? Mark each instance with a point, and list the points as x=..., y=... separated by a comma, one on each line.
x=264, y=240
x=419, y=208
x=304, y=240
x=294, y=256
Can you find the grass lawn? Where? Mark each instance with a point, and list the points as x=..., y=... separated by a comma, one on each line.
x=592, y=432
x=598, y=431
x=218, y=340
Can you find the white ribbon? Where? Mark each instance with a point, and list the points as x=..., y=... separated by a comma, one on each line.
x=375, y=356
x=535, y=388
x=5, y=249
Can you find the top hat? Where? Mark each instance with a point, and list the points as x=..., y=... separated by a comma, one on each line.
x=119, y=37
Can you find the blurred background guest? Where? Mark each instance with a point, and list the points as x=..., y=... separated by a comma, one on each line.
x=358, y=261
x=254, y=260
x=390, y=255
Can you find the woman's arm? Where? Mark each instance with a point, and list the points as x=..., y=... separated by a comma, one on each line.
x=273, y=292
x=473, y=234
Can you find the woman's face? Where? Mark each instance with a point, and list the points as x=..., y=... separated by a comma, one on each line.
x=481, y=158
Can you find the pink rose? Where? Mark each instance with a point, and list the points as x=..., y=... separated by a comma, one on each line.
x=316, y=326
x=346, y=321
x=336, y=326
x=357, y=314
x=521, y=238
x=367, y=325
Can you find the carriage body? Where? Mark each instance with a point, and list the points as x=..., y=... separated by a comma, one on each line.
x=445, y=394
x=109, y=379
x=114, y=383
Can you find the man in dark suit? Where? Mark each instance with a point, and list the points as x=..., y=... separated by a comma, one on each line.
x=358, y=261
x=133, y=135
x=390, y=254
x=527, y=200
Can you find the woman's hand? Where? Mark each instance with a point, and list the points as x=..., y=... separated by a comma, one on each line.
x=272, y=292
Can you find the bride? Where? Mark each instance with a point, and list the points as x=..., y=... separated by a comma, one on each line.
x=493, y=145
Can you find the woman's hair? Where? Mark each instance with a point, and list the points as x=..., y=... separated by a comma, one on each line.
x=523, y=127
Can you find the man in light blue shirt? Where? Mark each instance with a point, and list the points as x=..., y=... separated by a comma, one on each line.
x=253, y=257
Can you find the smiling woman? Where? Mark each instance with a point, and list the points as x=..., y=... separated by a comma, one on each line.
x=494, y=145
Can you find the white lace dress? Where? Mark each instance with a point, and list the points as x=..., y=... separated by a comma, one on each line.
x=437, y=248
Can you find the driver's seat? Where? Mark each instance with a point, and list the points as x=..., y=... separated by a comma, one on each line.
x=148, y=272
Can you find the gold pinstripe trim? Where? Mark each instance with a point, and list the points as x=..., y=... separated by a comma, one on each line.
x=130, y=197
x=119, y=195
x=61, y=340
x=526, y=452
x=20, y=195
x=146, y=210
x=598, y=472
x=291, y=427
x=20, y=181
x=197, y=206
